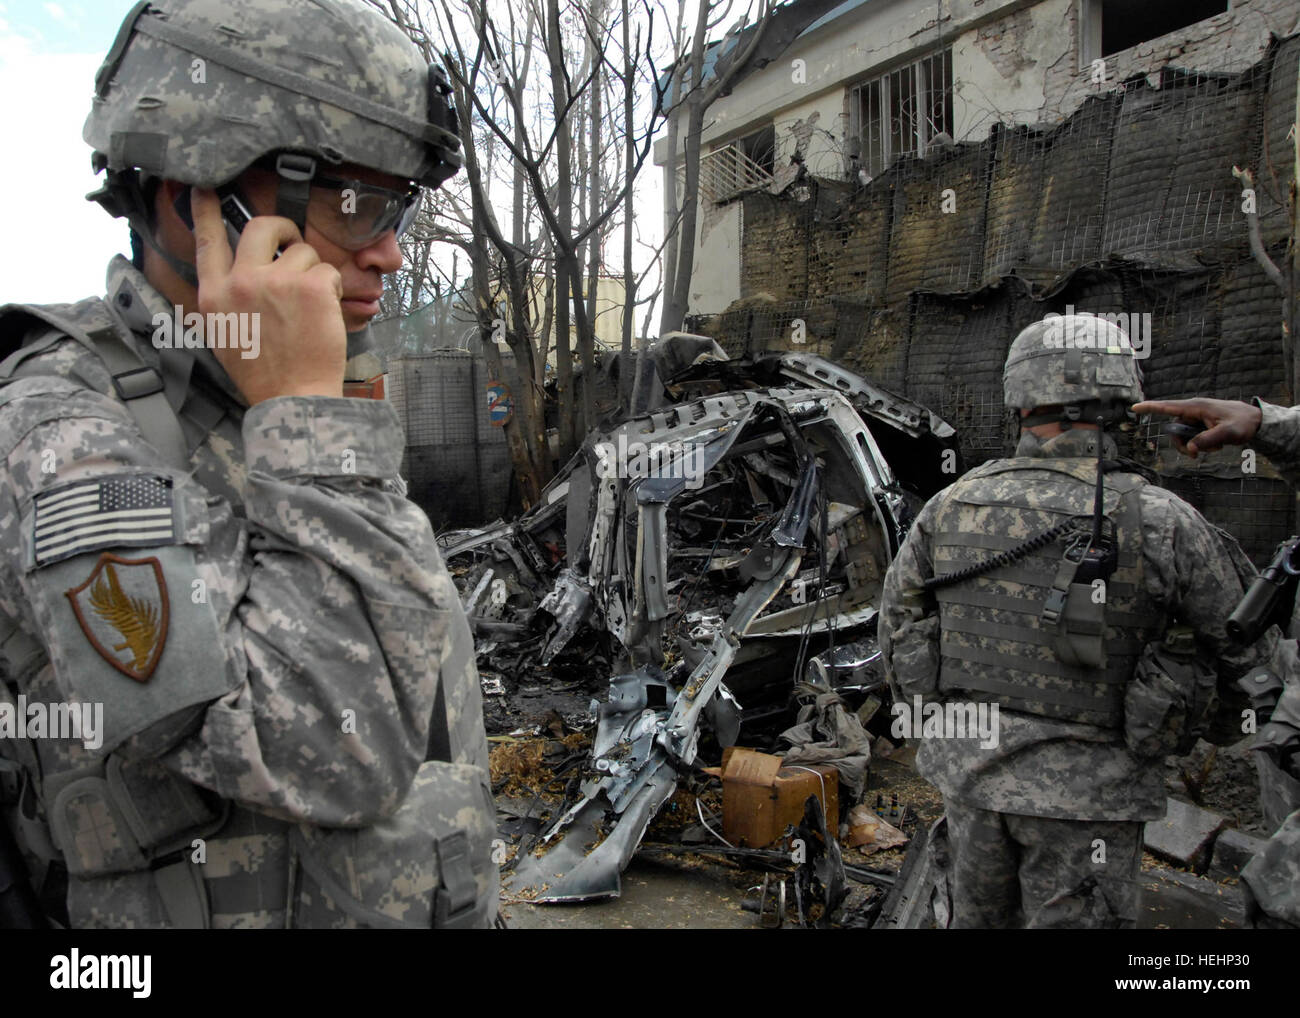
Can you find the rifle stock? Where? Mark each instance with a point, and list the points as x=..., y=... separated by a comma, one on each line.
x=1270, y=598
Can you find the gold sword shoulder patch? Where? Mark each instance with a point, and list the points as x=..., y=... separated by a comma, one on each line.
x=123, y=605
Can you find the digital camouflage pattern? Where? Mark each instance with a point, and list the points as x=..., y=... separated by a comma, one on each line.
x=1278, y=438
x=204, y=123
x=1009, y=871
x=1070, y=359
x=995, y=620
x=395, y=886
x=1272, y=878
x=1042, y=766
x=1050, y=767
x=313, y=627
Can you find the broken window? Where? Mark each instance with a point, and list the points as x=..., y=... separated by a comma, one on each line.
x=761, y=148
x=1124, y=24
x=745, y=163
x=901, y=112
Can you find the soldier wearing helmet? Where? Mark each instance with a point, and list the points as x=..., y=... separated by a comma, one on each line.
x=1077, y=604
x=1270, y=881
x=208, y=543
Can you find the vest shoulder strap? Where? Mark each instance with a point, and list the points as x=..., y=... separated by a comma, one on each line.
x=26, y=329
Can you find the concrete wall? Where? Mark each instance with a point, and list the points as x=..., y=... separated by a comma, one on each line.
x=879, y=34
x=875, y=36
x=1230, y=42
x=715, y=283
x=811, y=99
x=999, y=67
x=815, y=127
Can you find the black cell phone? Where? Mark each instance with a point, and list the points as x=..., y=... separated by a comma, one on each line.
x=1184, y=431
x=234, y=212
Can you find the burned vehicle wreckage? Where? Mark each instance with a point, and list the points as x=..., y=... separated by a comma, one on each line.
x=713, y=551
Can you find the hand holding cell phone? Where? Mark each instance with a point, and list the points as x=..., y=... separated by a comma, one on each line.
x=234, y=213
x=270, y=272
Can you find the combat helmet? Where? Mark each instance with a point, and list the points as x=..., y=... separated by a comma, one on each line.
x=1081, y=362
x=198, y=90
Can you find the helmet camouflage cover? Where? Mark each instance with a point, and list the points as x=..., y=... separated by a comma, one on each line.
x=1068, y=359
x=197, y=90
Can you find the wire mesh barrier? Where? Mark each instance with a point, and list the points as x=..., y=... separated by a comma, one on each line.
x=1256, y=511
x=1129, y=208
x=456, y=461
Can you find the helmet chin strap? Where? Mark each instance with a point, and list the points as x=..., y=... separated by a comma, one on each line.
x=1110, y=412
x=294, y=191
x=123, y=196
x=182, y=268
x=292, y=196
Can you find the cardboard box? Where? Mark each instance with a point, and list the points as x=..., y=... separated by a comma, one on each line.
x=760, y=797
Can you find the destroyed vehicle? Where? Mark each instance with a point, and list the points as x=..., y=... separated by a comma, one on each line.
x=741, y=532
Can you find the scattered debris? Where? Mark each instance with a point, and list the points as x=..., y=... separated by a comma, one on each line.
x=820, y=881
x=1185, y=835
x=869, y=832
x=741, y=532
x=530, y=765
x=1232, y=850
x=843, y=741
x=761, y=797
x=919, y=898
x=1225, y=781
x=720, y=608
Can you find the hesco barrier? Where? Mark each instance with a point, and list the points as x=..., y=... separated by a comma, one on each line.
x=456, y=461
x=1128, y=206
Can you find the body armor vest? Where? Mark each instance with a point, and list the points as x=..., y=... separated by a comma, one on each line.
x=1000, y=640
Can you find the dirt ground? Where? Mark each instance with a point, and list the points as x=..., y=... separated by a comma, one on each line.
x=678, y=879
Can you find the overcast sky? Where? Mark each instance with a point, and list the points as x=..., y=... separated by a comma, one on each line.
x=59, y=244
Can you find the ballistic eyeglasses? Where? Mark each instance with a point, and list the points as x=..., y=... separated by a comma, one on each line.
x=354, y=214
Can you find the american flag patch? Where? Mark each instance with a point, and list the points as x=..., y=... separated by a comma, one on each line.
x=130, y=512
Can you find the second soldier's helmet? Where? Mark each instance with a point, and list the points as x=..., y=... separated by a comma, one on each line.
x=198, y=90
x=1071, y=360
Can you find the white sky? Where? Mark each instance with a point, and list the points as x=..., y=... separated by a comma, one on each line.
x=59, y=244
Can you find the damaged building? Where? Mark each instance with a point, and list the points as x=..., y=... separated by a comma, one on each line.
x=930, y=185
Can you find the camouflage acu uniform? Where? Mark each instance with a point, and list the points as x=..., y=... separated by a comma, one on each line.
x=1026, y=815
x=276, y=643
x=1273, y=877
